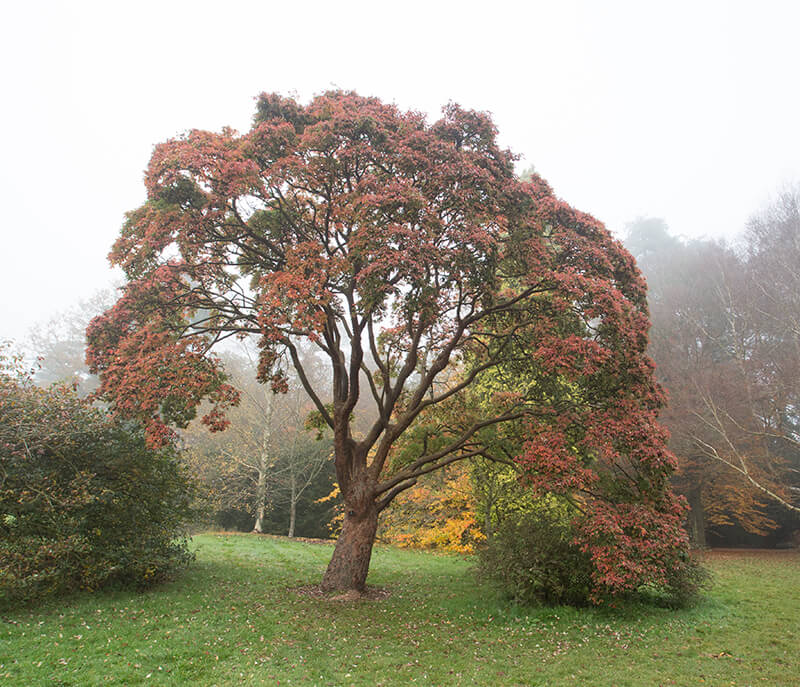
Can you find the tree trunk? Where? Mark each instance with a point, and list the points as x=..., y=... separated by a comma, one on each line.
x=697, y=519
x=488, y=529
x=258, y=528
x=487, y=523
x=292, y=507
x=261, y=500
x=349, y=565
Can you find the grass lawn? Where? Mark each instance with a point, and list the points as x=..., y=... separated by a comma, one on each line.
x=235, y=619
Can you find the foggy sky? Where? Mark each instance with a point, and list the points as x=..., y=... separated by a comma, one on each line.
x=686, y=111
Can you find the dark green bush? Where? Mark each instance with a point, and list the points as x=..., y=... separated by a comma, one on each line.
x=532, y=559
x=84, y=503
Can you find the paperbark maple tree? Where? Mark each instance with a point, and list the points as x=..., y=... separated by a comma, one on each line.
x=402, y=250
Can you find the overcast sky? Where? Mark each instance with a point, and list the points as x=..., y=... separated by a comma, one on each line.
x=683, y=110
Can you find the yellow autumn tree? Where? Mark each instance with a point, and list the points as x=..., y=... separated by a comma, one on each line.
x=437, y=513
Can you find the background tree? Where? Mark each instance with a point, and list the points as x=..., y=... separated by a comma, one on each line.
x=717, y=360
x=499, y=493
x=268, y=459
x=413, y=248
x=60, y=344
x=439, y=512
x=772, y=314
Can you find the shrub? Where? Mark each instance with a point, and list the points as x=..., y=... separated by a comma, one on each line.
x=84, y=503
x=545, y=556
x=532, y=558
x=639, y=550
x=685, y=579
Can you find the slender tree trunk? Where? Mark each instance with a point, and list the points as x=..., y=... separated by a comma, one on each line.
x=263, y=467
x=261, y=500
x=697, y=519
x=488, y=529
x=487, y=522
x=292, y=506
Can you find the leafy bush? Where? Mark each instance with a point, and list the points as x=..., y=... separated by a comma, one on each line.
x=639, y=550
x=543, y=556
x=84, y=503
x=685, y=579
x=533, y=559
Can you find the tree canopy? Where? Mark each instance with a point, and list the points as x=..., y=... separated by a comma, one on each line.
x=424, y=271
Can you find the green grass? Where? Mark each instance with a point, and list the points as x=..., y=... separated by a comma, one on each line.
x=234, y=619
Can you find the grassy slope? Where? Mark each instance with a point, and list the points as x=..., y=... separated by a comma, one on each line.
x=233, y=619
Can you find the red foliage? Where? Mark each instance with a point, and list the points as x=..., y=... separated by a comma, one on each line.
x=148, y=372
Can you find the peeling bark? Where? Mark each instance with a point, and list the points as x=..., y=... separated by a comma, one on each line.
x=349, y=565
